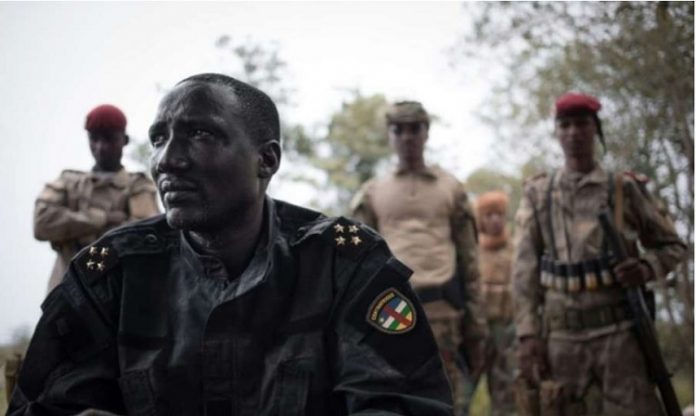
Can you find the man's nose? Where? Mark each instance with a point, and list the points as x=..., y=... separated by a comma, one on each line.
x=172, y=157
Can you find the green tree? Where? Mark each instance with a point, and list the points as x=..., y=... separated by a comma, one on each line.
x=638, y=58
x=354, y=147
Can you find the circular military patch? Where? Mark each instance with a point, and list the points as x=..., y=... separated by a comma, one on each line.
x=392, y=312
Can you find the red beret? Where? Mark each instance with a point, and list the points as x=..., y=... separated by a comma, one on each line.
x=105, y=116
x=570, y=103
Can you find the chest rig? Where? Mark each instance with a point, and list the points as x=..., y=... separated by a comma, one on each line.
x=587, y=275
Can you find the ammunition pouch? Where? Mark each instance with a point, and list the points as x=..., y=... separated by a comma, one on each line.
x=593, y=274
x=580, y=319
x=452, y=291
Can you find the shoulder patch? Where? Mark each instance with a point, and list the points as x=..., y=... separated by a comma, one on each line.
x=392, y=313
x=95, y=261
x=534, y=178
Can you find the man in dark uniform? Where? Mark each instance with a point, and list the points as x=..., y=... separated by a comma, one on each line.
x=232, y=303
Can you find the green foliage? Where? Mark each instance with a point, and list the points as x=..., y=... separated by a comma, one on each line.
x=354, y=146
x=638, y=58
x=140, y=153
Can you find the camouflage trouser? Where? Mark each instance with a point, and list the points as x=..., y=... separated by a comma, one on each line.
x=501, y=373
x=447, y=332
x=615, y=363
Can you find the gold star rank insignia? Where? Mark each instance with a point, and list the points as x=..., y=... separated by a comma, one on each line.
x=353, y=229
x=96, y=261
x=356, y=240
x=338, y=228
x=340, y=241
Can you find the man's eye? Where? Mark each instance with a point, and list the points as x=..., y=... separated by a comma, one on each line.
x=157, y=139
x=199, y=134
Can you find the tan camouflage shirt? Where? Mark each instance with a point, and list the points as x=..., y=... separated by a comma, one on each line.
x=577, y=200
x=71, y=211
x=428, y=223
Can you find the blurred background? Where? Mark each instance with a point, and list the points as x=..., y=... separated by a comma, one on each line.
x=488, y=72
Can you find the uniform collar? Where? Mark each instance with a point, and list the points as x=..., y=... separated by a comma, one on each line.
x=256, y=271
x=118, y=179
x=596, y=175
x=426, y=172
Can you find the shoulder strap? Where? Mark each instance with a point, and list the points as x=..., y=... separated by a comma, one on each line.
x=549, y=205
x=618, y=202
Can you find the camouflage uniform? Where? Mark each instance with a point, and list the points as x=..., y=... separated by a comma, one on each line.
x=494, y=261
x=427, y=221
x=71, y=212
x=582, y=311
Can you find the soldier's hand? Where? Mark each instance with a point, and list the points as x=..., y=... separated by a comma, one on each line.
x=531, y=358
x=115, y=218
x=633, y=272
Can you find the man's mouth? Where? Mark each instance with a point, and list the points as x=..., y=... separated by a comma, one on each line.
x=175, y=190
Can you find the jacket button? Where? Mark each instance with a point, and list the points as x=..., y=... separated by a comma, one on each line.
x=151, y=239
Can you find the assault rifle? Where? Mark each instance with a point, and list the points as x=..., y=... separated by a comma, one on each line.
x=643, y=326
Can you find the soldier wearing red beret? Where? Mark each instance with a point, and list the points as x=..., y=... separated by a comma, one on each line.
x=78, y=207
x=572, y=319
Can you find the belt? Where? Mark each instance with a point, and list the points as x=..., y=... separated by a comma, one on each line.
x=579, y=319
x=590, y=275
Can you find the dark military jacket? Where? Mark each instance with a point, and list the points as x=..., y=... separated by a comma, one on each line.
x=321, y=322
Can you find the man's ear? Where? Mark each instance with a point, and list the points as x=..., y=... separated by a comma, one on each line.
x=126, y=139
x=269, y=159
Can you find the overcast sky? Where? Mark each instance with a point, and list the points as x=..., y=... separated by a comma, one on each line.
x=59, y=60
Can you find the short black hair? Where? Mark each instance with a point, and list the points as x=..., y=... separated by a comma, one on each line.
x=259, y=112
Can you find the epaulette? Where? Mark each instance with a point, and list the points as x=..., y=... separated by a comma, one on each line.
x=350, y=238
x=141, y=182
x=73, y=172
x=95, y=261
x=533, y=180
x=638, y=177
x=141, y=237
x=72, y=175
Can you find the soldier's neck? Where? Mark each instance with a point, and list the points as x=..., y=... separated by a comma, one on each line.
x=580, y=165
x=100, y=168
x=233, y=244
x=415, y=165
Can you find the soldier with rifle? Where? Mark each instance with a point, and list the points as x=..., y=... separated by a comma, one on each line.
x=575, y=314
x=424, y=214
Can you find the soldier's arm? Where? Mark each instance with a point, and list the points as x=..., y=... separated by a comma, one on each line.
x=465, y=237
x=142, y=201
x=71, y=364
x=663, y=247
x=54, y=221
x=386, y=367
x=526, y=286
x=361, y=206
